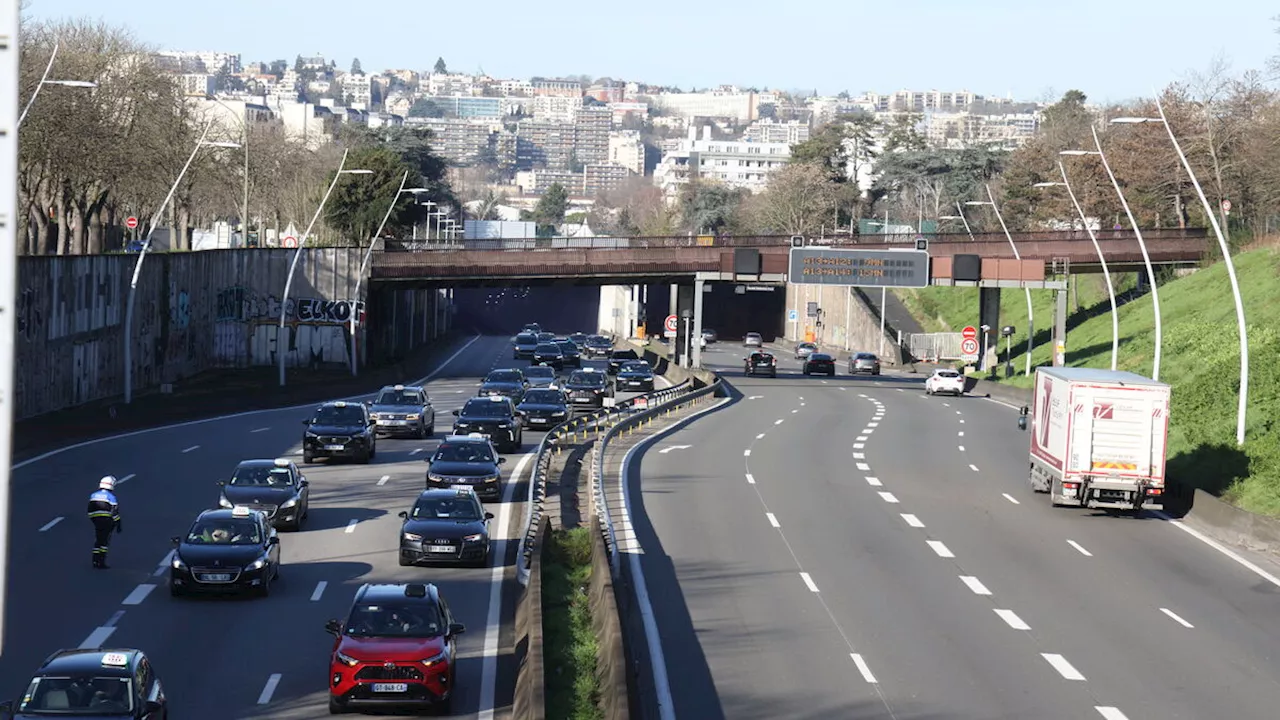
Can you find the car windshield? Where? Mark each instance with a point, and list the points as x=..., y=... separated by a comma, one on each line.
x=866, y=356
x=547, y=349
x=407, y=620
x=636, y=367
x=540, y=372
x=485, y=409
x=546, y=337
x=85, y=695
x=625, y=355
x=261, y=476
x=761, y=357
x=504, y=376
x=753, y=336
x=399, y=397
x=232, y=531
x=586, y=378
x=445, y=508
x=950, y=374
x=462, y=452
x=808, y=346
x=526, y=339
x=334, y=415
x=568, y=346
x=544, y=397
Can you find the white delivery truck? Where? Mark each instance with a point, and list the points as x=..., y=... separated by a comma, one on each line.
x=1098, y=438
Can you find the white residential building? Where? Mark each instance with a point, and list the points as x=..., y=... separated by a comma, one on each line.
x=626, y=149
x=197, y=84
x=212, y=62
x=736, y=163
x=450, y=84
x=357, y=90
x=772, y=131
x=556, y=108
x=741, y=106
x=517, y=88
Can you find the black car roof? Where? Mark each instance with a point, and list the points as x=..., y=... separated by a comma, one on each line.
x=98, y=661
x=496, y=399
x=445, y=493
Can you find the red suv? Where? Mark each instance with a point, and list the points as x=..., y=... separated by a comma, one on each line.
x=395, y=650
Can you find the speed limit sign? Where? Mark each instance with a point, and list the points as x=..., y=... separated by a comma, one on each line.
x=969, y=346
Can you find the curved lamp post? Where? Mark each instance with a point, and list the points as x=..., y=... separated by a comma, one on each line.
x=281, y=345
x=142, y=254
x=1031, y=323
x=1106, y=273
x=44, y=80
x=1243, y=401
x=368, y=253
x=244, y=203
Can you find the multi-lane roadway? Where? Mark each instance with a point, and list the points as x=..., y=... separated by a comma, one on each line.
x=851, y=548
x=223, y=659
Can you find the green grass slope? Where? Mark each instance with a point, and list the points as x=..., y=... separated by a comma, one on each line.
x=1200, y=360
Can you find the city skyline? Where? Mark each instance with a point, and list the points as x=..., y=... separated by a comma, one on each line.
x=1145, y=39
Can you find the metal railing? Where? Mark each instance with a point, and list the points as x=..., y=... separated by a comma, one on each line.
x=931, y=347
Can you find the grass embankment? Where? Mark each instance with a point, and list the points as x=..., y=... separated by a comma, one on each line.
x=569, y=648
x=1200, y=360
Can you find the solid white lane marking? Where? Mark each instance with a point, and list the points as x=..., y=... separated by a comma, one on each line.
x=1011, y=498
x=139, y=594
x=862, y=466
x=941, y=549
x=269, y=689
x=863, y=668
x=773, y=520
x=351, y=526
x=961, y=434
x=859, y=446
x=493, y=621
x=1216, y=546
x=975, y=585
x=750, y=479
x=1110, y=713
x=1063, y=667
x=97, y=637
x=115, y=618
x=126, y=478
x=666, y=450
x=874, y=481
x=1012, y=620
x=415, y=451
x=1079, y=547
x=260, y=430
x=889, y=497
x=801, y=397
x=778, y=421
x=808, y=581
x=383, y=480
x=861, y=438
x=51, y=523
x=1176, y=618
x=859, y=456
x=760, y=436
x=746, y=453
x=191, y=449
x=961, y=448
x=974, y=468
x=912, y=520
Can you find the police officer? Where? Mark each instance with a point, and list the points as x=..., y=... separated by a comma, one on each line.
x=104, y=513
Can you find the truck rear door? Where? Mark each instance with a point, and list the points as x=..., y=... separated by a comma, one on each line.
x=1118, y=432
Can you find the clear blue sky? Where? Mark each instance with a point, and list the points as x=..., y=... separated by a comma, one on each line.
x=1110, y=49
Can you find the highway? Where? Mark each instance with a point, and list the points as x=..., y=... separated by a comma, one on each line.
x=249, y=658
x=849, y=547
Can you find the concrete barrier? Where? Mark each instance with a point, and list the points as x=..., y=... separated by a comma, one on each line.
x=999, y=391
x=611, y=651
x=530, y=700
x=663, y=366
x=1229, y=524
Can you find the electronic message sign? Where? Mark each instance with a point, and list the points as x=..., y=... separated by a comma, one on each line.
x=859, y=268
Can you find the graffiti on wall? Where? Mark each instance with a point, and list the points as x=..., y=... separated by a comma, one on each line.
x=317, y=331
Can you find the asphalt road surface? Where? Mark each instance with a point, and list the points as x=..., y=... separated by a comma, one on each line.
x=849, y=547
x=250, y=658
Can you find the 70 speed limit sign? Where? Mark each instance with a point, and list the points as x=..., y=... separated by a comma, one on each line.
x=969, y=346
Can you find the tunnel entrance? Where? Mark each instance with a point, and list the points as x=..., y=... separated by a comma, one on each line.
x=561, y=309
x=731, y=314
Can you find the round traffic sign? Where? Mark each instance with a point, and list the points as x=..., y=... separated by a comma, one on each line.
x=290, y=241
x=672, y=323
x=1226, y=205
x=969, y=333
x=131, y=223
x=969, y=346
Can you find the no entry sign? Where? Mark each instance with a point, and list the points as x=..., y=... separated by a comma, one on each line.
x=131, y=223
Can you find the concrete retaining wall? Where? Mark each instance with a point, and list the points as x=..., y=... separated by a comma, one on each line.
x=849, y=322
x=530, y=699
x=1232, y=525
x=611, y=651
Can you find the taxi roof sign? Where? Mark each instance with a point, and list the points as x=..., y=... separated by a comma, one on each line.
x=398, y=387
x=495, y=397
x=281, y=462
x=340, y=403
x=240, y=511
x=115, y=659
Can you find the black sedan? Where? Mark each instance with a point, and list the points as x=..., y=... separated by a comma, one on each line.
x=340, y=430
x=549, y=353
x=618, y=357
x=507, y=383
x=578, y=339
x=523, y=345
x=466, y=461
x=819, y=364
x=274, y=487
x=445, y=526
x=226, y=551
x=635, y=376
x=115, y=683
x=544, y=408
x=760, y=363
x=587, y=388
x=540, y=376
x=572, y=354
x=494, y=417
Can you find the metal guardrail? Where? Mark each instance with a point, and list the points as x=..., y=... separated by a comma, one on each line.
x=932, y=347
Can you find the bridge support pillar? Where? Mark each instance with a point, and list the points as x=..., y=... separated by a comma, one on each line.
x=989, y=318
x=1060, y=330
x=682, y=304
x=699, y=289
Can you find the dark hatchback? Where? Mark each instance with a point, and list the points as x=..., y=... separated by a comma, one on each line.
x=635, y=376
x=340, y=430
x=523, y=345
x=544, y=408
x=445, y=526
x=93, y=682
x=465, y=461
x=507, y=383
x=761, y=363
x=819, y=364
x=493, y=417
x=572, y=353
x=549, y=353
x=540, y=376
x=618, y=357
x=597, y=346
x=224, y=552
x=274, y=487
x=587, y=388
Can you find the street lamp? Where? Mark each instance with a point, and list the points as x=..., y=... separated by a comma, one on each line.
x=142, y=254
x=1142, y=245
x=368, y=253
x=1111, y=291
x=961, y=218
x=244, y=206
x=991, y=201
x=1226, y=257
x=297, y=254
x=44, y=80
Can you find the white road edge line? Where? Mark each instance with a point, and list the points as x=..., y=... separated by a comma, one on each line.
x=351, y=526
x=808, y=581
x=51, y=523
x=975, y=585
x=1064, y=668
x=941, y=549
x=260, y=430
x=97, y=637
x=961, y=434
x=493, y=624
x=1012, y=620
x=1176, y=618
x=912, y=520
x=269, y=689
x=1011, y=498
x=1079, y=547
x=1216, y=546
x=126, y=478
x=861, y=438
x=773, y=520
x=139, y=594
x=1110, y=713
x=889, y=498
x=778, y=421
x=863, y=668
x=320, y=586
x=193, y=448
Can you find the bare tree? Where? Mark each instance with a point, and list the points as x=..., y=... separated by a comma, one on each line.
x=799, y=199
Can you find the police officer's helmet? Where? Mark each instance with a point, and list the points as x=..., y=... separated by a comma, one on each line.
x=107, y=483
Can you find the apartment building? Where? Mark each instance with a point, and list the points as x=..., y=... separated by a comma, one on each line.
x=735, y=163
x=593, y=180
x=591, y=129
x=357, y=90
x=608, y=93
x=561, y=88
x=467, y=106
x=197, y=84
x=544, y=145
x=626, y=149
x=449, y=84
x=769, y=130
x=622, y=111
x=514, y=88
x=556, y=108
x=460, y=141
x=742, y=107
x=200, y=62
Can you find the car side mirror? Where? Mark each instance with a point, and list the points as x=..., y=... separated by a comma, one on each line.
x=220, y=483
x=404, y=514
x=333, y=627
x=306, y=422
x=488, y=516
x=1022, y=422
x=457, y=412
x=151, y=707
x=502, y=460
x=1025, y=410
x=457, y=628
x=273, y=540
x=304, y=483
x=176, y=539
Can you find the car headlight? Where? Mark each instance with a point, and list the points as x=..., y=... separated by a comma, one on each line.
x=558, y=413
x=177, y=563
x=474, y=538
x=346, y=659
x=411, y=537
x=223, y=502
x=434, y=660
x=256, y=564
x=289, y=503
x=312, y=436
x=375, y=416
x=434, y=478
x=504, y=426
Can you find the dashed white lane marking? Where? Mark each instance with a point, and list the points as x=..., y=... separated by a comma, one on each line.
x=873, y=424
x=961, y=448
x=760, y=436
x=269, y=689
x=862, y=395
x=51, y=523
x=863, y=668
x=862, y=466
x=861, y=438
x=1219, y=547
x=793, y=412
x=974, y=468
x=115, y=618
x=874, y=481
x=97, y=637
x=868, y=431
x=808, y=581
x=843, y=389
x=960, y=434
x=946, y=404
x=889, y=497
x=1175, y=617
x=912, y=520
x=900, y=389
x=800, y=397
x=163, y=567
x=126, y=478
x=320, y=586
x=1011, y=498
x=1012, y=620
x=961, y=422
x=1079, y=547
x=1110, y=713
x=750, y=479
x=773, y=520
x=975, y=585
x=1064, y=668
x=139, y=594
x=383, y=480
x=351, y=526
x=415, y=451
x=942, y=550
x=859, y=446
x=260, y=430
x=746, y=453
x=859, y=456
x=802, y=404
x=778, y=421
x=191, y=449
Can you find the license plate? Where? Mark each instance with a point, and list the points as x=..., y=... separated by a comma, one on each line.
x=441, y=548
x=635, y=382
x=335, y=447
x=224, y=577
x=391, y=687
x=582, y=400
x=394, y=422
x=537, y=421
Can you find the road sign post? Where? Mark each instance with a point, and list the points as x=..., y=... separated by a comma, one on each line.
x=858, y=268
x=670, y=326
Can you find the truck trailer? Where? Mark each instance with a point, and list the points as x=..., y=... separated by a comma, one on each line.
x=1098, y=438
